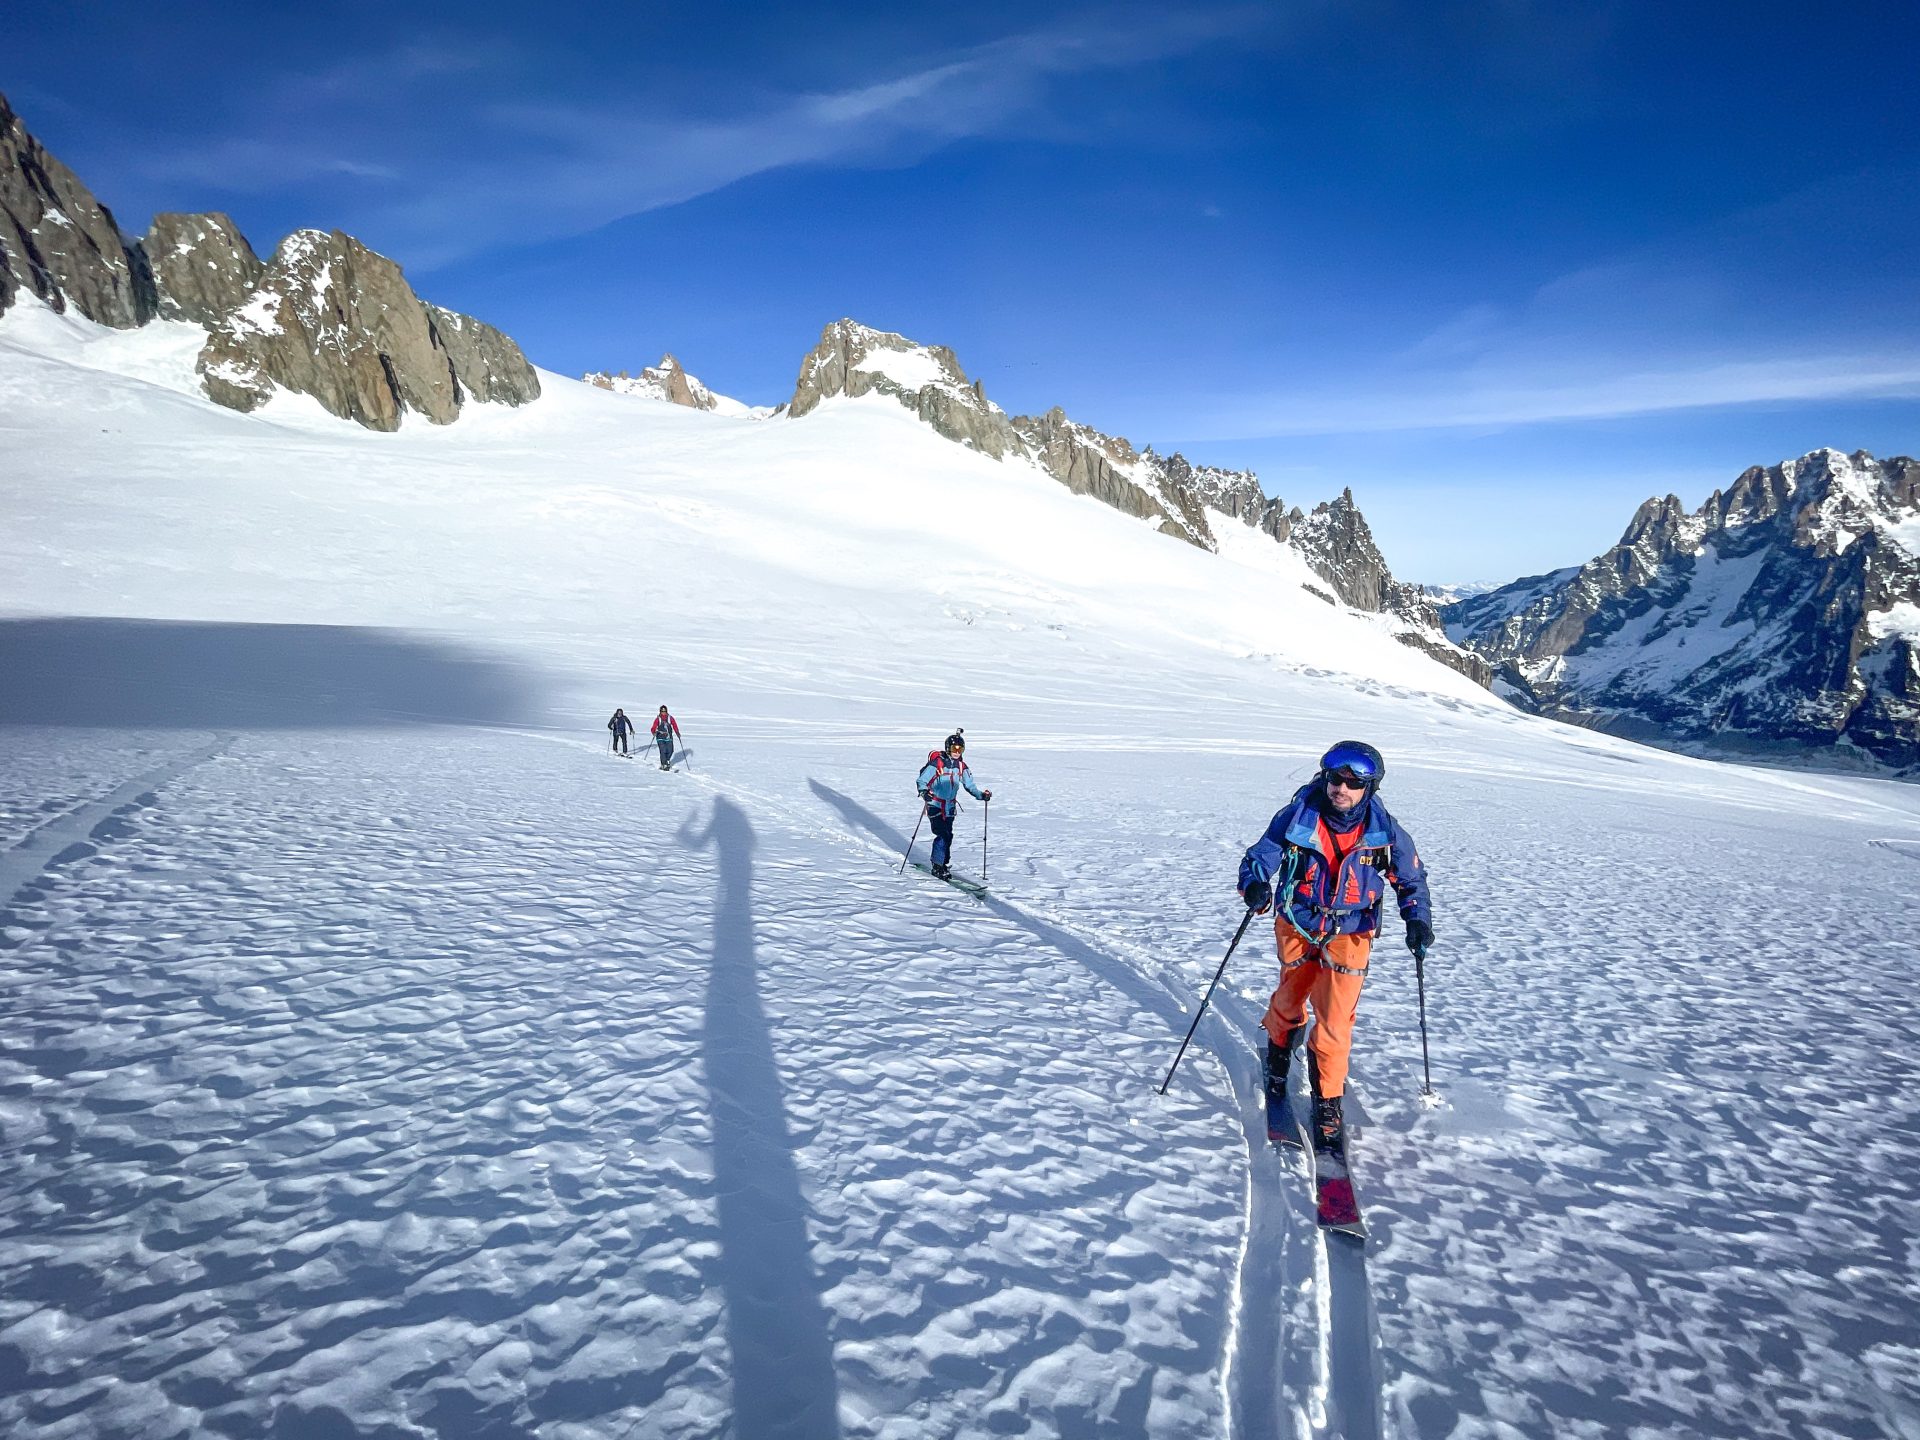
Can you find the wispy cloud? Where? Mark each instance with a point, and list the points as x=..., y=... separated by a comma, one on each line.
x=1722, y=314
x=1494, y=403
x=484, y=173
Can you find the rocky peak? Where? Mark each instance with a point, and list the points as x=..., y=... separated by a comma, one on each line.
x=667, y=381
x=854, y=359
x=1785, y=610
x=202, y=266
x=326, y=317
x=332, y=319
x=1181, y=499
x=59, y=243
x=1839, y=498
x=1231, y=492
x=1109, y=469
x=1339, y=543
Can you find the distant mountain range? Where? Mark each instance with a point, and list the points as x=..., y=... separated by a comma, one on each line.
x=1784, y=612
x=1184, y=501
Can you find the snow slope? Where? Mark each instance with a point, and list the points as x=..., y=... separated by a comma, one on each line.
x=386, y=1059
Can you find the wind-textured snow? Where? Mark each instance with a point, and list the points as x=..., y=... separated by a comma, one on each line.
x=387, y=1059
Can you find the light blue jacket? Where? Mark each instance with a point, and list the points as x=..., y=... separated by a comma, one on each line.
x=940, y=781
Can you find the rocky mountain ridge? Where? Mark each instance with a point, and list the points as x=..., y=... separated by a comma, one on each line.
x=1785, y=610
x=1179, y=498
x=668, y=381
x=325, y=317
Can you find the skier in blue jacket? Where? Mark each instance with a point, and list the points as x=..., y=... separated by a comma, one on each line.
x=939, y=785
x=1327, y=858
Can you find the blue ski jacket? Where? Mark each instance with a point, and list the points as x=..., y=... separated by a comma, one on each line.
x=1295, y=857
x=940, y=781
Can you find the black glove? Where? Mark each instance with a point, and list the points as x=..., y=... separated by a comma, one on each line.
x=1258, y=895
x=1419, y=936
x=985, y=795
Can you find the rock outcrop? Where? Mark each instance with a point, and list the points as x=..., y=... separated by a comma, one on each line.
x=486, y=362
x=853, y=360
x=1339, y=545
x=327, y=317
x=1113, y=472
x=668, y=381
x=57, y=242
x=1784, y=611
x=333, y=320
x=202, y=267
x=1180, y=499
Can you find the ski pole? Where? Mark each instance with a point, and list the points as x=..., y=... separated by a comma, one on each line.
x=686, y=755
x=1245, y=921
x=985, y=807
x=1420, y=979
x=916, y=835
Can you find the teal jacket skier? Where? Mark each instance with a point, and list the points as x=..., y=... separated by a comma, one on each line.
x=939, y=785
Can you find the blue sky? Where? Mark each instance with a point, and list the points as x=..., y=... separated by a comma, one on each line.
x=1505, y=269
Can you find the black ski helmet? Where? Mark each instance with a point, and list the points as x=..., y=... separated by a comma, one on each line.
x=1358, y=757
x=957, y=740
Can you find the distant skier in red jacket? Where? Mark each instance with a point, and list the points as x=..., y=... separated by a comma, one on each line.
x=666, y=730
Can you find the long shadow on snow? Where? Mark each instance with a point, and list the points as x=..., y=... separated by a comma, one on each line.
x=1117, y=973
x=783, y=1380
x=171, y=674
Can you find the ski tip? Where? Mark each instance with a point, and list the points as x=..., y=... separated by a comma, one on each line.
x=1339, y=1210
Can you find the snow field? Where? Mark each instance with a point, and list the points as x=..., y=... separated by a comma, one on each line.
x=400, y=1077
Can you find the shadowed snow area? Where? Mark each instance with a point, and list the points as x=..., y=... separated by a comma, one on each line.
x=366, y=1076
x=157, y=674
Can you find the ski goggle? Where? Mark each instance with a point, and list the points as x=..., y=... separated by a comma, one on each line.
x=1346, y=775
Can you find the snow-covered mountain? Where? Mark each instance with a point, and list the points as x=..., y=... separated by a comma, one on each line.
x=328, y=318
x=1179, y=499
x=669, y=381
x=1785, y=610
x=325, y=317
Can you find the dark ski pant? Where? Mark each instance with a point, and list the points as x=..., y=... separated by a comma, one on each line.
x=942, y=835
x=666, y=754
x=619, y=742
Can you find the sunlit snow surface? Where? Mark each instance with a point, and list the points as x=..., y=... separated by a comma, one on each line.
x=421, y=1069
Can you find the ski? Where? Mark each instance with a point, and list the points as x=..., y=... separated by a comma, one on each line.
x=1336, y=1205
x=958, y=882
x=1281, y=1128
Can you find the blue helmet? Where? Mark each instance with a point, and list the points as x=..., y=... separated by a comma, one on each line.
x=1358, y=759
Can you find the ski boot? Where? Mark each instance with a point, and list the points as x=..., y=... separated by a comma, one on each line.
x=1329, y=1125
x=943, y=872
x=1280, y=1060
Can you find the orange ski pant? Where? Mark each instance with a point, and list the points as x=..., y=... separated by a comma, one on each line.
x=1328, y=977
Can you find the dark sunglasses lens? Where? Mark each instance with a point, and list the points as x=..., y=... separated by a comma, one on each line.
x=1349, y=779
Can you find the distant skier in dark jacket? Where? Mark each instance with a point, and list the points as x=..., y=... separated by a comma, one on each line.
x=666, y=730
x=939, y=785
x=1330, y=853
x=621, y=727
